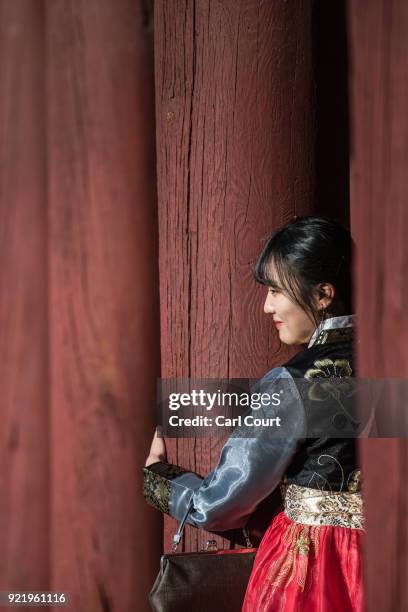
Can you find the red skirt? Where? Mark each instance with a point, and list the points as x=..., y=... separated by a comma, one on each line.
x=306, y=568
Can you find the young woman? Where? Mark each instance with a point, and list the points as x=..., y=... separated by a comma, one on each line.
x=309, y=559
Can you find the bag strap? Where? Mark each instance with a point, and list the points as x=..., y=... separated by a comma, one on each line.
x=179, y=533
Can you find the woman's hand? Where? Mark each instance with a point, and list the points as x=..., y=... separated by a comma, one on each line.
x=157, y=450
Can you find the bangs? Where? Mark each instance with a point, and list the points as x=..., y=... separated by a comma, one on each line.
x=262, y=271
x=273, y=269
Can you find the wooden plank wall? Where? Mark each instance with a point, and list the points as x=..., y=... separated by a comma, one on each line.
x=379, y=216
x=79, y=301
x=235, y=159
x=24, y=434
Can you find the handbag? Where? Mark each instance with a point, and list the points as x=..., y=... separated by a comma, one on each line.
x=210, y=578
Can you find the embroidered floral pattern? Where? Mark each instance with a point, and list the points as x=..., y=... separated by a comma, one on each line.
x=353, y=481
x=319, y=479
x=329, y=381
x=327, y=368
x=157, y=484
x=314, y=507
x=300, y=541
x=156, y=490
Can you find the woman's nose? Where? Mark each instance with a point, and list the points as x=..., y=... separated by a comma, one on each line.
x=268, y=306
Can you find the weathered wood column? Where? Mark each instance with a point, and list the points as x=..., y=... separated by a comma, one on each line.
x=24, y=432
x=379, y=214
x=104, y=332
x=235, y=149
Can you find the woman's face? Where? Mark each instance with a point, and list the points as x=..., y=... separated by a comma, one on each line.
x=293, y=324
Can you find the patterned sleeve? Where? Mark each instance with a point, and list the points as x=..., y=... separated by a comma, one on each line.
x=248, y=470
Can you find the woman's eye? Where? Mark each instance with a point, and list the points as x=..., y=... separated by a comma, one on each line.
x=272, y=290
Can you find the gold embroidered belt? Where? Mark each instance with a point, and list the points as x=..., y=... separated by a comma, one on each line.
x=316, y=507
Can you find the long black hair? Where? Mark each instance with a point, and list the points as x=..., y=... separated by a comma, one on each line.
x=305, y=252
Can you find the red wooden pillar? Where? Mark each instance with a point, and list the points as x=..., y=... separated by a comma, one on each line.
x=379, y=213
x=234, y=108
x=103, y=300
x=24, y=432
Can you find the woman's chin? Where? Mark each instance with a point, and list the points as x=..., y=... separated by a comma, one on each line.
x=283, y=337
x=286, y=338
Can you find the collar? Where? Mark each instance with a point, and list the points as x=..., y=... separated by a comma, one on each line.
x=333, y=329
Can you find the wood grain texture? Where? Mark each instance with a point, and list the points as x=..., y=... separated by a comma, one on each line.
x=104, y=332
x=235, y=159
x=379, y=215
x=24, y=432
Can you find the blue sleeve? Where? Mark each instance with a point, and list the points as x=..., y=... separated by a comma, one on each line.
x=251, y=465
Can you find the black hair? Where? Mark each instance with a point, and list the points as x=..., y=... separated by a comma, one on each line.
x=305, y=252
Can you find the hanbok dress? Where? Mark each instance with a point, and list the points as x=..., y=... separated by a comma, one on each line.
x=310, y=557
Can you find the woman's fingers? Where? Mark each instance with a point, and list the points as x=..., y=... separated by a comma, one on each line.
x=157, y=450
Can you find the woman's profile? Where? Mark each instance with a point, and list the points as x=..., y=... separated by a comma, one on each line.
x=309, y=558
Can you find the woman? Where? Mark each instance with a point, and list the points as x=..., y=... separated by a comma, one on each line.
x=310, y=556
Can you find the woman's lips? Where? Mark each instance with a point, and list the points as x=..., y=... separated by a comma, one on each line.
x=278, y=324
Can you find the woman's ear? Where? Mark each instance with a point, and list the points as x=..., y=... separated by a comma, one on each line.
x=326, y=292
